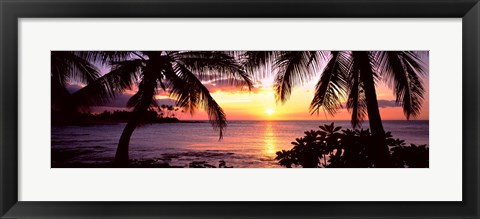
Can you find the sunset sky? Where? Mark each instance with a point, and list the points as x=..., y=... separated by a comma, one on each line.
x=259, y=103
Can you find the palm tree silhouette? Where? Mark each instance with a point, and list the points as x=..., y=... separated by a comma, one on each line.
x=178, y=73
x=67, y=66
x=351, y=75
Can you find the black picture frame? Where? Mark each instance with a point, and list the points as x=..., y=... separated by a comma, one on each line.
x=12, y=10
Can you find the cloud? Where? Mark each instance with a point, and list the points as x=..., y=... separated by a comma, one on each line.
x=235, y=101
x=122, y=99
x=225, y=85
x=387, y=103
x=72, y=88
x=166, y=101
x=381, y=104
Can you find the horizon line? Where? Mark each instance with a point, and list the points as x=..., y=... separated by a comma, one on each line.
x=303, y=120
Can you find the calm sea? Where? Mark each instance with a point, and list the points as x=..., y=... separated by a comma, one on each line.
x=245, y=143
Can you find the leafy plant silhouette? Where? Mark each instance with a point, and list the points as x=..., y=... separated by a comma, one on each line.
x=335, y=148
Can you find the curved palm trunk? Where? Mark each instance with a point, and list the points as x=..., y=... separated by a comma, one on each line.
x=380, y=151
x=121, y=156
x=141, y=102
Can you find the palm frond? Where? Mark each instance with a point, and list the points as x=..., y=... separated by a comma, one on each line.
x=402, y=72
x=190, y=93
x=211, y=66
x=356, y=102
x=259, y=63
x=332, y=84
x=123, y=75
x=292, y=68
x=67, y=66
x=105, y=58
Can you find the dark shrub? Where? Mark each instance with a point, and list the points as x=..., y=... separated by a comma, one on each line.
x=332, y=147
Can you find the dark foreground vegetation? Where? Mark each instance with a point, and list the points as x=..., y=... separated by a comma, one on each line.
x=336, y=148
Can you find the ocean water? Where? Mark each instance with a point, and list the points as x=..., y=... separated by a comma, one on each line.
x=250, y=144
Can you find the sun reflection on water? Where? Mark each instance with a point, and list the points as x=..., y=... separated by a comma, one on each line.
x=270, y=141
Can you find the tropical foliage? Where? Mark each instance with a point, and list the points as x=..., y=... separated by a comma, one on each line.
x=67, y=67
x=350, y=76
x=333, y=147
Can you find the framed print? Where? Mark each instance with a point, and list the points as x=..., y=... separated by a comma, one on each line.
x=232, y=109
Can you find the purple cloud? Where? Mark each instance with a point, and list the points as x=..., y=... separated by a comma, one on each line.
x=387, y=103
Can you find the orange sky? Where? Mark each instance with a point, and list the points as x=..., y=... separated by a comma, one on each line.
x=259, y=104
x=244, y=105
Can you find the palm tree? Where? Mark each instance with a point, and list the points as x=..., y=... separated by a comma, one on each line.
x=66, y=67
x=351, y=75
x=178, y=73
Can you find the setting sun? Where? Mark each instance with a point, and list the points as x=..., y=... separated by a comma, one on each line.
x=269, y=111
